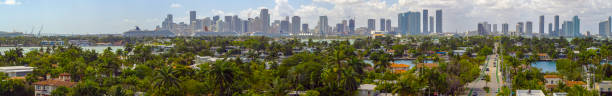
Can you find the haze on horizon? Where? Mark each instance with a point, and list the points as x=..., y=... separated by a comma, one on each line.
x=117, y=16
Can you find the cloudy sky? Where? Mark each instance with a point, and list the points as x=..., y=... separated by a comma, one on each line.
x=117, y=16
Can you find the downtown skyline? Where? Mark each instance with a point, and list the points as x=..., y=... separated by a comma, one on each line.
x=459, y=15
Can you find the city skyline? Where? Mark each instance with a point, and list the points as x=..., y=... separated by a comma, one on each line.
x=57, y=17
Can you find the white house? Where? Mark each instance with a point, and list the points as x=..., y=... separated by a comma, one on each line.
x=367, y=90
x=16, y=71
x=529, y=93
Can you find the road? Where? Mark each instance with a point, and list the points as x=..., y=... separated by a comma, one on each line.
x=496, y=82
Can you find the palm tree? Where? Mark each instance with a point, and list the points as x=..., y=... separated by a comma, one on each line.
x=222, y=76
x=165, y=79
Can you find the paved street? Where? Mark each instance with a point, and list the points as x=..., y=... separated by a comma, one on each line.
x=476, y=87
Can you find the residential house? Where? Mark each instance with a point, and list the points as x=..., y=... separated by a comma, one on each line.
x=605, y=88
x=552, y=81
x=367, y=90
x=44, y=88
x=399, y=68
x=16, y=71
x=529, y=93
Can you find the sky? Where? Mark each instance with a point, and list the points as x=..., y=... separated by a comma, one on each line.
x=118, y=16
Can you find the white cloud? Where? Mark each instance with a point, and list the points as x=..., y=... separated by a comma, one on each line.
x=10, y=2
x=175, y=5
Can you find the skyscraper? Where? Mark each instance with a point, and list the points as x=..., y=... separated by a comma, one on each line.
x=295, y=22
x=305, y=28
x=505, y=28
x=494, y=28
x=529, y=27
x=323, y=25
x=192, y=17
x=388, y=25
x=371, y=25
x=542, y=25
x=520, y=29
x=339, y=28
x=439, y=21
x=550, y=28
x=227, y=25
x=414, y=23
x=604, y=28
x=576, y=27
x=265, y=20
x=425, y=21
x=609, y=25
x=383, y=21
x=556, y=32
x=284, y=26
x=402, y=23
x=351, y=26
x=431, y=24
x=482, y=28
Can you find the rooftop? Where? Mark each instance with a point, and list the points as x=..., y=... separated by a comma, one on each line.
x=55, y=83
x=529, y=93
x=398, y=65
x=551, y=76
x=367, y=87
x=428, y=65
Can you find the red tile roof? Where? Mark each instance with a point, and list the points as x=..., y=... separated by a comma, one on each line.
x=56, y=83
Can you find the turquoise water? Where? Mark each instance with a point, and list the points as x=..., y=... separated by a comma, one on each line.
x=545, y=66
x=407, y=62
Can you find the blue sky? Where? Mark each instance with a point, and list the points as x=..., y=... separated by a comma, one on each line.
x=117, y=16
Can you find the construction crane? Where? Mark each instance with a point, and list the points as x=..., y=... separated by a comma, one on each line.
x=41, y=28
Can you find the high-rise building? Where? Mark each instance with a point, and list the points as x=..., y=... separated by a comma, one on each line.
x=339, y=28
x=482, y=28
x=604, y=28
x=425, y=21
x=520, y=29
x=505, y=28
x=371, y=25
x=168, y=22
x=305, y=28
x=529, y=27
x=265, y=20
x=351, y=26
x=609, y=25
x=236, y=24
x=414, y=23
x=295, y=22
x=323, y=25
x=402, y=23
x=227, y=25
x=439, y=21
x=542, y=25
x=192, y=17
x=576, y=27
x=284, y=26
x=494, y=28
x=431, y=24
x=383, y=21
x=556, y=32
x=550, y=28
x=388, y=25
